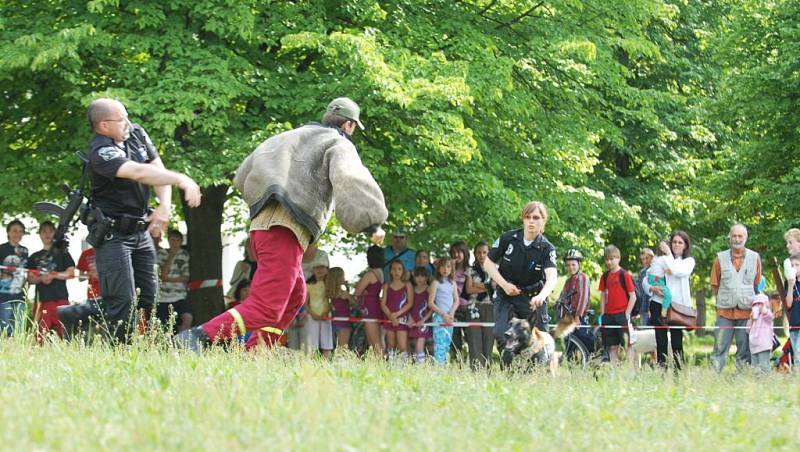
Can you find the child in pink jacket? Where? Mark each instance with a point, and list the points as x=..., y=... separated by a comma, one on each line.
x=760, y=333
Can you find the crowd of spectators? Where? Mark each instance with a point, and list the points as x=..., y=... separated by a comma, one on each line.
x=407, y=300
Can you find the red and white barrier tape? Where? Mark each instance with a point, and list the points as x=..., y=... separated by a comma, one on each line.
x=491, y=324
x=37, y=272
x=203, y=284
x=191, y=285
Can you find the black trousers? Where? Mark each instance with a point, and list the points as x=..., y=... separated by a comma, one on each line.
x=125, y=263
x=662, y=342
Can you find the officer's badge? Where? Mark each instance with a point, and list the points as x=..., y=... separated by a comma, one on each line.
x=510, y=249
x=110, y=153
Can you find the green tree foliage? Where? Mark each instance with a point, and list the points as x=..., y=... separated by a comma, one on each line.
x=472, y=108
x=756, y=173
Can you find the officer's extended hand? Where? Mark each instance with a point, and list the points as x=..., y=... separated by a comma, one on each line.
x=537, y=301
x=511, y=290
x=378, y=236
x=191, y=192
x=159, y=220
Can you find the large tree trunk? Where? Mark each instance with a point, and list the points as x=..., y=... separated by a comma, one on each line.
x=204, y=240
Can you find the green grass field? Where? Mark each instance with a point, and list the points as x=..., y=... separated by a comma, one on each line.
x=70, y=397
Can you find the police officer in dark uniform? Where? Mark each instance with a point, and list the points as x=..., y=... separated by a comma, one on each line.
x=523, y=264
x=123, y=165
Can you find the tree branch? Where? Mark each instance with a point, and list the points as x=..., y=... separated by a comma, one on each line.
x=487, y=8
x=521, y=16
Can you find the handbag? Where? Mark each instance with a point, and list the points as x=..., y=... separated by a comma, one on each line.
x=678, y=314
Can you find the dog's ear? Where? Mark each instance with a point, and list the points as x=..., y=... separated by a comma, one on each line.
x=536, y=340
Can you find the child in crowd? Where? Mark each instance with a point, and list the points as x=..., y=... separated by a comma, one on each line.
x=420, y=313
x=423, y=259
x=657, y=277
x=760, y=342
x=459, y=254
x=616, y=303
x=342, y=301
x=318, y=331
x=443, y=301
x=368, y=292
x=793, y=308
x=395, y=302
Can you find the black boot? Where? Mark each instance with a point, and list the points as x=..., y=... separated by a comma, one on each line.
x=76, y=316
x=194, y=339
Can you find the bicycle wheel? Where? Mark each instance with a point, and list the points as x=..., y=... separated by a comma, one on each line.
x=576, y=353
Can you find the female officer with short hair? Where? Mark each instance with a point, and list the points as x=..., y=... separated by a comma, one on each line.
x=523, y=264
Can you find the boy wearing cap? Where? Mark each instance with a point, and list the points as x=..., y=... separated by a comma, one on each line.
x=291, y=183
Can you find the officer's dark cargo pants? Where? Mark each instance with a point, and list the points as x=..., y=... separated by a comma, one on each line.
x=125, y=262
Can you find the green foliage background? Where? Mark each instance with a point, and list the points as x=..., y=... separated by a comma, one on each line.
x=628, y=119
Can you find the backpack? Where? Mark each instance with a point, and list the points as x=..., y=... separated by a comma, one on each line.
x=637, y=303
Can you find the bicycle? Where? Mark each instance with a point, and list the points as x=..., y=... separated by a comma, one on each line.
x=358, y=342
x=580, y=345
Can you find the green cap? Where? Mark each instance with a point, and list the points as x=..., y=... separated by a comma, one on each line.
x=346, y=108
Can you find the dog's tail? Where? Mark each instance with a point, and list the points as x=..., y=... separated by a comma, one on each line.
x=565, y=326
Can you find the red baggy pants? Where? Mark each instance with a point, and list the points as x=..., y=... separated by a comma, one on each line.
x=48, y=318
x=277, y=291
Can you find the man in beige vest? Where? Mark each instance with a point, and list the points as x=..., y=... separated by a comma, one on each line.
x=734, y=276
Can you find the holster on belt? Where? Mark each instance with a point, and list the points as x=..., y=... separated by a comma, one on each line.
x=127, y=225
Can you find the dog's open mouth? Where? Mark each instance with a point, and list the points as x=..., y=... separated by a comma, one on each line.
x=511, y=344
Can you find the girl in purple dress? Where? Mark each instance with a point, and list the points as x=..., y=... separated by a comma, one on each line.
x=419, y=314
x=368, y=292
x=459, y=253
x=396, y=301
x=341, y=301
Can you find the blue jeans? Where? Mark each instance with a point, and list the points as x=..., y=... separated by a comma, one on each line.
x=11, y=312
x=125, y=262
x=442, y=338
x=794, y=336
x=644, y=313
x=723, y=340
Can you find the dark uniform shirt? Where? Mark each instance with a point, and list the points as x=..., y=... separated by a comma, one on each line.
x=51, y=261
x=119, y=196
x=522, y=265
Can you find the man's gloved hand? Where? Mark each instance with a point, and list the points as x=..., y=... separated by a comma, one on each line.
x=378, y=236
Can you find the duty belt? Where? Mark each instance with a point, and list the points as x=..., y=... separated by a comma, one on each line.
x=130, y=225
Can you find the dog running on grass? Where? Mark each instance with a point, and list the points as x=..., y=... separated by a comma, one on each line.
x=533, y=346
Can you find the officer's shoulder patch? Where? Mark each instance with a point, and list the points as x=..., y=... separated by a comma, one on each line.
x=553, y=256
x=109, y=153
